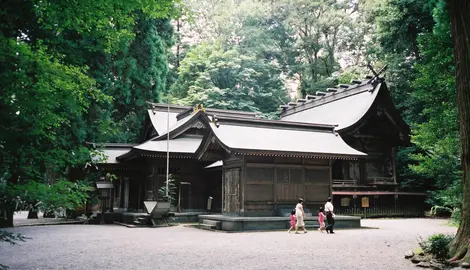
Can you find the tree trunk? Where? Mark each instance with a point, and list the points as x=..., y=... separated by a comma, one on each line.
x=32, y=214
x=459, y=11
x=8, y=222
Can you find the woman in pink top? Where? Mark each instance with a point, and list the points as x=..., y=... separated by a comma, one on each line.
x=321, y=219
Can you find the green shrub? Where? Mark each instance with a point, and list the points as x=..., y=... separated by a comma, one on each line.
x=438, y=245
x=441, y=211
x=456, y=215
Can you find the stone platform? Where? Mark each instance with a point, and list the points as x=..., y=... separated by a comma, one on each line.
x=240, y=224
x=174, y=217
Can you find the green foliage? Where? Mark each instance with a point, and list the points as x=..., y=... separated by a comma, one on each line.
x=415, y=41
x=456, y=216
x=37, y=196
x=227, y=79
x=134, y=75
x=162, y=191
x=438, y=136
x=43, y=105
x=108, y=23
x=440, y=211
x=51, y=53
x=438, y=245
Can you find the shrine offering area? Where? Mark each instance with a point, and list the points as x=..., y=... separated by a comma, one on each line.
x=179, y=247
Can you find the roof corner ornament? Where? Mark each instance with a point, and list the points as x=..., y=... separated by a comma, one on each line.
x=375, y=78
x=152, y=107
x=199, y=108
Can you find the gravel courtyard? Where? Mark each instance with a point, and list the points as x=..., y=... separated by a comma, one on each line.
x=179, y=247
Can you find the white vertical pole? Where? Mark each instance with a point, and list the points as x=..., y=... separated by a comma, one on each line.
x=167, y=145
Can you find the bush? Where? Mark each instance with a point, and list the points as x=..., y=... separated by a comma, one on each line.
x=456, y=215
x=438, y=245
x=441, y=211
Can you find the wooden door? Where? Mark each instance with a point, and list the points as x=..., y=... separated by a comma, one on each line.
x=231, y=191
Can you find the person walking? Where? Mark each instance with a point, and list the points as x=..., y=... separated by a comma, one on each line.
x=292, y=220
x=300, y=215
x=321, y=219
x=330, y=216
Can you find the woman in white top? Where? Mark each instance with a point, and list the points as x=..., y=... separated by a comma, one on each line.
x=300, y=215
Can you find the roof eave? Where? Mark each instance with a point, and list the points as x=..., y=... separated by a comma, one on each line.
x=297, y=154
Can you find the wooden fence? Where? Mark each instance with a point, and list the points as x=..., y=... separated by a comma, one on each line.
x=382, y=211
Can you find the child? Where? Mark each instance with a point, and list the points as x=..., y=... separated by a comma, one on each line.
x=321, y=219
x=292, y=220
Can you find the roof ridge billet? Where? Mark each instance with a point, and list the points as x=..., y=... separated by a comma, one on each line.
x=332, y=91
x=329, y=98
x=153, y=105
x=112, y=145
x=279, y=123
x=214, y=111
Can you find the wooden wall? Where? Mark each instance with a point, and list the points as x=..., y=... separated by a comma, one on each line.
x=283, y=182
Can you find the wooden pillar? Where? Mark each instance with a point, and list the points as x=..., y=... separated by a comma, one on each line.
x=111, y=200
x=126, y=193
x=394, y=165
x=223, y=190
x=275, y=185
x=242, y=186
x=362, y=172
x=330, y=163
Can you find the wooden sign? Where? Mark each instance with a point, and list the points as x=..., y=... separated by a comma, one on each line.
x=365, y=202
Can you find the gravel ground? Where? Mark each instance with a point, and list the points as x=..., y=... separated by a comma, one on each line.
x=116, y=247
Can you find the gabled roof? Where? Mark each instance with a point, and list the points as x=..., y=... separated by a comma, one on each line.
x=295, y=139
x=243, y=135
x=110, y=151
x=158, y=114
x=344, y=106
x=183, y=144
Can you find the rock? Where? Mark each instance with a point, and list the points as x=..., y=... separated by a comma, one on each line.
x=436, y=265
x=465, y=265
x=424, y=264
x=454, y=263
x=409, y=254
x=418, y=259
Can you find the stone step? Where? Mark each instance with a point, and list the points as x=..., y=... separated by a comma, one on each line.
x=216, y=224
x=207, y=227
x=312, y=226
